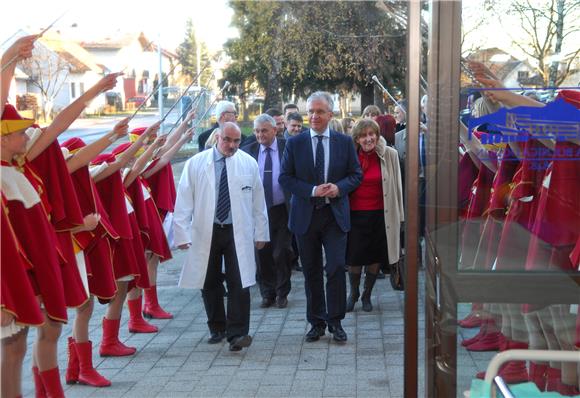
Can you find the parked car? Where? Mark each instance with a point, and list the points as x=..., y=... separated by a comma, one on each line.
x=136, y=101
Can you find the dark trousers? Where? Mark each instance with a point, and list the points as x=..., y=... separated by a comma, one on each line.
x=324, y=232
x=237, y=321
x=274, y=260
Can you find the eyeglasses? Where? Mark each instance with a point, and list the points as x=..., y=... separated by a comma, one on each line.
x=231, y=113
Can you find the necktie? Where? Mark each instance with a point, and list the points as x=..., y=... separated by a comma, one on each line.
x=223, y=205
x=319, y=169
x=268, y=191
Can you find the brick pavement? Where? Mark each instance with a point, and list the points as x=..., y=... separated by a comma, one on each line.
x=177, y=361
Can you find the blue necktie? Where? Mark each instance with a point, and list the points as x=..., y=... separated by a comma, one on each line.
x=268, y=190
x=319, y=169
x=223, y=205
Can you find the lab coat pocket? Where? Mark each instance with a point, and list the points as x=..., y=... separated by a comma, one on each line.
x=245, y=185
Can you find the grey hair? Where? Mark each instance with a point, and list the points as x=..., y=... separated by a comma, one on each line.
x=321, y=95
x=264, y=118
x=223, y=106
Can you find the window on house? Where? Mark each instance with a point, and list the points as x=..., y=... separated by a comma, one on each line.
x=73, y=90
x=81, y=88
x=523, y=74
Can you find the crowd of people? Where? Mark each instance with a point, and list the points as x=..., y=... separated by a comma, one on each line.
x=78, y=223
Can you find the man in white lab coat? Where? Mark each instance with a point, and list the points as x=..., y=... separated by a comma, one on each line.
x=221, y=213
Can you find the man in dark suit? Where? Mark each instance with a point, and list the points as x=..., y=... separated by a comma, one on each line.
x=320, y=168
x=274, y=260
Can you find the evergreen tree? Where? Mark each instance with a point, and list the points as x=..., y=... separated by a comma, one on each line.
x=187, y=55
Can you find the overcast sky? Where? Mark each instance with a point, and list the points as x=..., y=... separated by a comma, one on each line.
x=106, y=17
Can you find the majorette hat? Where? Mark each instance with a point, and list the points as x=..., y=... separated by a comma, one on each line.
x=136, y=133
x=102, y=158
x=71, y=146
x=12, y=122
x=121, y=148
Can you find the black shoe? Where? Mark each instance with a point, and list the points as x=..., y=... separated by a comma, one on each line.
x=338, y=333
x=266, y=302
x=315, y=333
x=240, y=342
x=216, y=337
x=281, y=302
x=380, y=275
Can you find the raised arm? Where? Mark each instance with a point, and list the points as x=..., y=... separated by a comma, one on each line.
x=142, y=160
x=86, y=154
x=167, y=156
x=19, y=50
x=176, y=134
x=65, y=118
x=126, y=156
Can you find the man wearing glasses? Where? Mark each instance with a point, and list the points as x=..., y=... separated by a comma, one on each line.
x=225, y=111
x=320, y=168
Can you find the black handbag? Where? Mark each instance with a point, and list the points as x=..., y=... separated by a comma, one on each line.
x=397, y=274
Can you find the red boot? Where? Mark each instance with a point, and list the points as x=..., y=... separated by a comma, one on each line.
x=51, y=381
x=72, y=370
x=39, y=391
x=472, y=320
x=136, y=322
x=110, y=345
x=488, y=342
x=511, y=372
x=87, y=373
x=487, y=326
x=538, y=375
x=152, y=309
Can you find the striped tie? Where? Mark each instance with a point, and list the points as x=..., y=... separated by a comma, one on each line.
x=223, y=205
x=319, y=202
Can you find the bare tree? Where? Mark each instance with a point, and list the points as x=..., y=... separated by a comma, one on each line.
x=48, y=71
x=549, y=26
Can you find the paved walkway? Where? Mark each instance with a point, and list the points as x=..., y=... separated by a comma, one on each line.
x=177, y=361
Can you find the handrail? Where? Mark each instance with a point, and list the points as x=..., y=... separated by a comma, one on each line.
x=526, y=355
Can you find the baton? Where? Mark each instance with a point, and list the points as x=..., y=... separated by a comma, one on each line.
x=39, y=35
x=376, y=80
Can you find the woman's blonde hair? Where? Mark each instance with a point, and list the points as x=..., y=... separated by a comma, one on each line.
x=335, y=125
x=212, y=139
x=361, y=126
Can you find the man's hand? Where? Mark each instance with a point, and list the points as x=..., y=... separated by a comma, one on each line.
x=259, y=245
x=320, y=190
x=328, y=190
x=184, y=246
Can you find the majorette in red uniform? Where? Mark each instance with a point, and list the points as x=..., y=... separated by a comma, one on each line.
x=150, y=230
x=158, y=178
x=28, y=212
x=17, y=296
x=125, y=264
x=97, y=251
